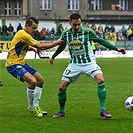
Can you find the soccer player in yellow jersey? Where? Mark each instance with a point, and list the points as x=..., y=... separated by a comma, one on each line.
x=15, y=65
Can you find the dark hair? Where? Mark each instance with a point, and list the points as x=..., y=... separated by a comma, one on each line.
x=74, y=16
x=30, y=20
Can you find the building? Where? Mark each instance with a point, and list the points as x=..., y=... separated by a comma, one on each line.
x=61, y=9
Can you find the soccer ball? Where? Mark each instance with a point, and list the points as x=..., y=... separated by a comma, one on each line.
x=129, y=103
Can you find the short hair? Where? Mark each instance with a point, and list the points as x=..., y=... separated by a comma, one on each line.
x=30, y=20
x=75, y=16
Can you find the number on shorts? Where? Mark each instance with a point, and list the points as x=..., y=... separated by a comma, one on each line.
x=67, y=72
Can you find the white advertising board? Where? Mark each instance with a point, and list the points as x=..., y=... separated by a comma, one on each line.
x=65, y=54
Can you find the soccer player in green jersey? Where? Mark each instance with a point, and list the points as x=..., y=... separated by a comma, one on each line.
x=82, y=62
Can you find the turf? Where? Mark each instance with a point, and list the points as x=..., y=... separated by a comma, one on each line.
x=82, y=106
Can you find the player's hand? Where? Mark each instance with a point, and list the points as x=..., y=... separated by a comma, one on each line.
x=36, y=50
x=61, y=42
x=39, y=52
x=51, y=61
x=122, y=50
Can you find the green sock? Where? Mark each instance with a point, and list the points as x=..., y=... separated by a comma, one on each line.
x=62, y=100
x=102, y=95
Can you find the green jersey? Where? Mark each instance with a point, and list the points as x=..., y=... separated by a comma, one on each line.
x=79, y=45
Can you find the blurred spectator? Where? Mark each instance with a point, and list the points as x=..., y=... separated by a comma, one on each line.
x=112, y=29
x=10, y=29
x=98, y=33
x=131, y=26
x=52, y=32
x=4, y=30
x=37, y=35
x=123, y=29
x=112, y=38
x=94, y=47
x=19, y=27
x=43, y=32
x=120, y=35
x=100, y=28
x=105, y=34
x=60, y=29
x=106, y=29
x=48, y=32
x=93, y=26
x=129, y=33
x=87, y=25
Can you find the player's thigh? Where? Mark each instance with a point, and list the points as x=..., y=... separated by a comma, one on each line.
x=21, y=72
x=72, y=73
x=17, y=71
x=39, y=78
x=92, y=69
x=29, y=78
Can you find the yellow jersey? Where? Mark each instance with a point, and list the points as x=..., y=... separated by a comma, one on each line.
x=19, y=47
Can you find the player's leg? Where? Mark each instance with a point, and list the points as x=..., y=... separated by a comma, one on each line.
x=62, y=98
x=38, y=87
x=27, y=77
x=102, y=95
x=70, y=75
x=33, y=95
x=101, y=90
x=95, y=72
x=38, y=91
x=21, y=73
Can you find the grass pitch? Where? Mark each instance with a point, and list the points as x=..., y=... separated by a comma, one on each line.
x=82, y=106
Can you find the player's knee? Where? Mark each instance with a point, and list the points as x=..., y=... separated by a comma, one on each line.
x=62, y=87
x=40, y=81
x=32, y=82
x=101, y=79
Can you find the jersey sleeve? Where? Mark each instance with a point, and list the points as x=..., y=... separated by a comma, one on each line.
x=28, y=39
x=95, y=38
x=60, y=48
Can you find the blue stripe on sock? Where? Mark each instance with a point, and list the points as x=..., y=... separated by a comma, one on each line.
x=31, y=88
x=40, y=86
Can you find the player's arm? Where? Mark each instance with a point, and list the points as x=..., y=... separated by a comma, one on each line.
x=36, y=50
x=104, y=42
x=59, y=49
x=43, y=46
x=28, y=39
x=57, y=52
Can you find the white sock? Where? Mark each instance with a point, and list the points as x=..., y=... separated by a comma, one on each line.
x=37, y=95
x=30, y=97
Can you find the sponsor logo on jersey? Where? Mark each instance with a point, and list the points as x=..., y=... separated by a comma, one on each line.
x=32, y=40
x=75, y=44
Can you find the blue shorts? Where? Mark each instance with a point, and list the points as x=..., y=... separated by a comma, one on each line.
x=19, y=70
